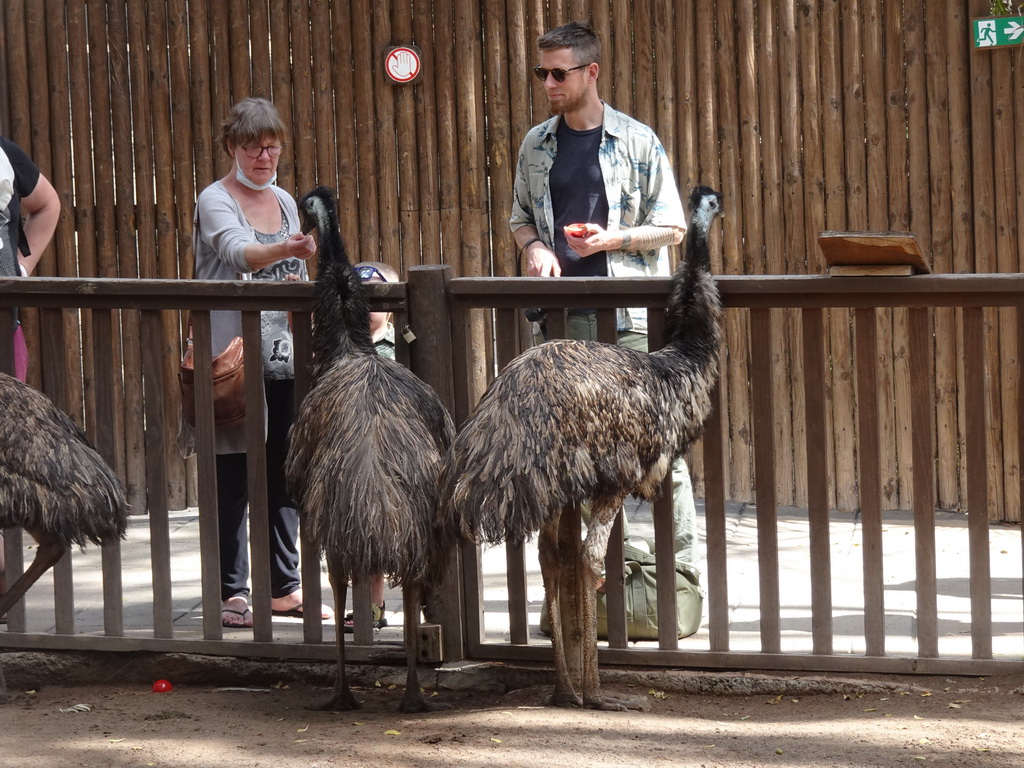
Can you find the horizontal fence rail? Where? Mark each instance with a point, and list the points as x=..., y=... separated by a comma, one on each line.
x=807, y=588
x=780, y=580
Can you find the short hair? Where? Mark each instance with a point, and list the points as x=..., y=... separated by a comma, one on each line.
x=250, y=120
x=577, y=36
x=389, y=272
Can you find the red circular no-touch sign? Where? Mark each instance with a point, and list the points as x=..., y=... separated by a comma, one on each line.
x=403, y=63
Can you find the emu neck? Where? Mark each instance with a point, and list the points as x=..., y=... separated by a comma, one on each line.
x=693, y=314
x=341, y=313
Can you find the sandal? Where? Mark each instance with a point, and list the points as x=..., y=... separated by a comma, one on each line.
x=378, y=619
x=235, y=613
x=244, y=623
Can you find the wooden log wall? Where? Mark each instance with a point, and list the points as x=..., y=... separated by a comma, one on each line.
x=807, y=114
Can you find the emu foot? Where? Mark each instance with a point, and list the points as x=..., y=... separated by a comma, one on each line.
x=614, y=703
x=565, y=699
x=341, y=701
x=415, y=702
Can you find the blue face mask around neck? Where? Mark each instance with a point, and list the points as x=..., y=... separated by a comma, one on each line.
x=245, y=181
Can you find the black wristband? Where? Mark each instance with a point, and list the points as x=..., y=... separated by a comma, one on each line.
x=528, y=243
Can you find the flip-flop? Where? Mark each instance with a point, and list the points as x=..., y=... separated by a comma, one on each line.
x=244, y=614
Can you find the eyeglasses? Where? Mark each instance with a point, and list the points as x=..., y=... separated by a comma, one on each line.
x=272, y=150
x=367, y=272
x=558, y=74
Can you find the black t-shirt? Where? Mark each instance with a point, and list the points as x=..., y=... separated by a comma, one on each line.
x=578, y=196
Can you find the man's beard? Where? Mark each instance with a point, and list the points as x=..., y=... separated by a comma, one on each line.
x=568, y=104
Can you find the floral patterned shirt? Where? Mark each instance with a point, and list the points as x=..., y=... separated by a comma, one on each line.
x=639, y=184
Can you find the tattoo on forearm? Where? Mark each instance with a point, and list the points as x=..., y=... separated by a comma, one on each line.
x=645, y=238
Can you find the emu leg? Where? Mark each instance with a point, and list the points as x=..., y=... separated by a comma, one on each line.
x=551, y=573
x=49, y=552
x=414, y=701
x=570, y=556
x=341, y=699
x=595, y=547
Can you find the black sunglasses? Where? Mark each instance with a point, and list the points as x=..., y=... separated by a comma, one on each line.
x=558, y=74
x=368, y=273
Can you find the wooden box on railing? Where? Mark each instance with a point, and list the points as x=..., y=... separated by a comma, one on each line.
x=872, y=253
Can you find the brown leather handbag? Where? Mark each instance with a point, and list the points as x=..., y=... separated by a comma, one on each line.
x=228, y=384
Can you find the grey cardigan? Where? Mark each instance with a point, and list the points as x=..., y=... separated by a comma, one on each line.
x=220, y=235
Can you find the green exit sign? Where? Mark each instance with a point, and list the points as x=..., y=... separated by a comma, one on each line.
x=998, y=31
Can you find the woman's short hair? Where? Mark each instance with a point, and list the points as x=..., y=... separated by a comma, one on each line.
x=577, y=36
x=250, y=121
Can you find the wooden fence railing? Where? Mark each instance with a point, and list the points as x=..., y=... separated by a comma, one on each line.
x=778, y=595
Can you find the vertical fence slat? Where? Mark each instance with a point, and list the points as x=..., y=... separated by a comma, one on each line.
x=428, y=163
x=366, y=247
x=506, y=323
x=813, y=323
x=763, y=415
x=500, y=146
x=345, y=177
x=53, y=347
x=260, y=77
x=256, y=475
x=714, y=525
x=976, y=412
x=387, y=160
x=869, y=467
x=103, y=439
x=922, y=395
x=614, y=587
x=209, y=524
x=309, y=552
x=178, y=477
x=963, y=201
x=156, y=480
x=297, y=102
x=437, y=358
x=407, y=139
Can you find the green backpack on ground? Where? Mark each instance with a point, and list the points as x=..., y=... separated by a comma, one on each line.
x=641, y=597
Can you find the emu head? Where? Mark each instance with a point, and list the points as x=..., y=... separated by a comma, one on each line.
x=704, y=204
x=318, y=210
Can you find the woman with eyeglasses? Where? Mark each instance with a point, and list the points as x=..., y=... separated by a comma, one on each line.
x=248, y=228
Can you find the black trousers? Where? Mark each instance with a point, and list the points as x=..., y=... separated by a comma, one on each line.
x=283, y=518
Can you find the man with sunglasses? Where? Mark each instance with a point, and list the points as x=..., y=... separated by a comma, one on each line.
x=594, y=166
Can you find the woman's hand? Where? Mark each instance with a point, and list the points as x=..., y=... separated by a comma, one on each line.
x=299, y=246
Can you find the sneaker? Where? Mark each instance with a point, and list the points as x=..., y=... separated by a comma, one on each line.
x=379, y=621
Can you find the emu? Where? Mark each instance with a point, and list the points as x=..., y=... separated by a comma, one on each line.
x=364, y=452
x=573, y=421
x=53, y=483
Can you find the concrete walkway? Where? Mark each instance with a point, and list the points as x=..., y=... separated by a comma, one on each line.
x=795, y=585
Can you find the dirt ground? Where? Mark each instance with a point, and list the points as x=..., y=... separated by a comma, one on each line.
x=934, y=721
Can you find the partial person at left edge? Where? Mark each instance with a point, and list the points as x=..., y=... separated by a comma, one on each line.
x=29, y=209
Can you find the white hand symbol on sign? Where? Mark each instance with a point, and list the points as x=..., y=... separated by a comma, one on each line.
x=402, y=65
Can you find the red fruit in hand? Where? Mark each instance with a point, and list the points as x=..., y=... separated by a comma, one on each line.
x=162, y=686
x=577, y=230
